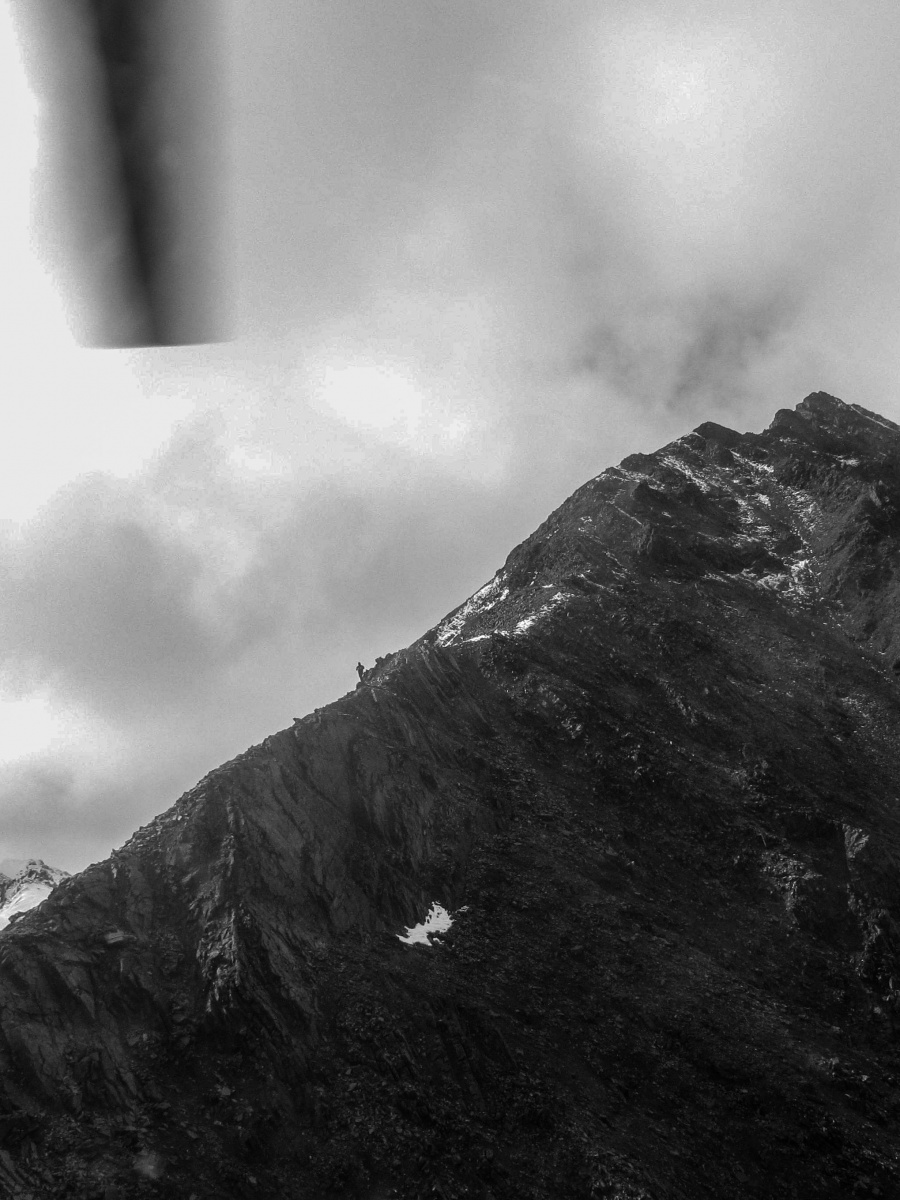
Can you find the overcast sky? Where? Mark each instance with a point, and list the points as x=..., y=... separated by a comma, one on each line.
x=479, y=251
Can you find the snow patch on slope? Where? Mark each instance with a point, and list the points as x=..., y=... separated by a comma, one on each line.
x=437, y=921
x=483, y=601
x=532, y=619
x=679, y=464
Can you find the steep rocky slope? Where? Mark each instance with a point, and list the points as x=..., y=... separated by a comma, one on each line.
x=652, y=769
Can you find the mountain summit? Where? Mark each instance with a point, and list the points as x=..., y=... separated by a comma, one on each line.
x=649, y=779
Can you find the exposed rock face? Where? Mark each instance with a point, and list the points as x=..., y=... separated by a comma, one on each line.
x=653, y=771
x=30, y=882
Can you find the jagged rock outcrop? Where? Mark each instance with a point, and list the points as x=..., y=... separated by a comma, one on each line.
x=653, y=770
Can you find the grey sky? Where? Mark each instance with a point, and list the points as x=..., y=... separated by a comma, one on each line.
x=479, y=252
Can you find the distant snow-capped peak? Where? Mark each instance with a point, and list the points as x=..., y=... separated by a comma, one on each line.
x=24, y=883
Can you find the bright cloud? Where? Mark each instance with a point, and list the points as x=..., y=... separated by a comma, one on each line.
x=26, y=726
x=368, y=396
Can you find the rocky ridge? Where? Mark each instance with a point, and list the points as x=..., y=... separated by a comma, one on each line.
x=651, y=769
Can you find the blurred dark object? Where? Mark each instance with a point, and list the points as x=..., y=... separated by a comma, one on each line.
x=158, y=64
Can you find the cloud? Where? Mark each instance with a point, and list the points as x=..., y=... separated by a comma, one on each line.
x=484, y=251
x=689, y=358
x=162, y=623
x=99, y=604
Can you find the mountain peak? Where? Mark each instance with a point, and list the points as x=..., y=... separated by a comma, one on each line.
x=824, y=404
x=830, y=410
x=24, y=884
x=646, y=775
x=825, y=421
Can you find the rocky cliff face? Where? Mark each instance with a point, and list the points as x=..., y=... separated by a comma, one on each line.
x=652, y=770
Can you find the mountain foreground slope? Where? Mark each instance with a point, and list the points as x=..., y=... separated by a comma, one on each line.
x=652, y=770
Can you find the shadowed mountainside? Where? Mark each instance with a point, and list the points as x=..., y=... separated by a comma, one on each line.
x=652, y=768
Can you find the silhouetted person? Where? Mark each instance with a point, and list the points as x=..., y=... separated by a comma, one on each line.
x=360, y=670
